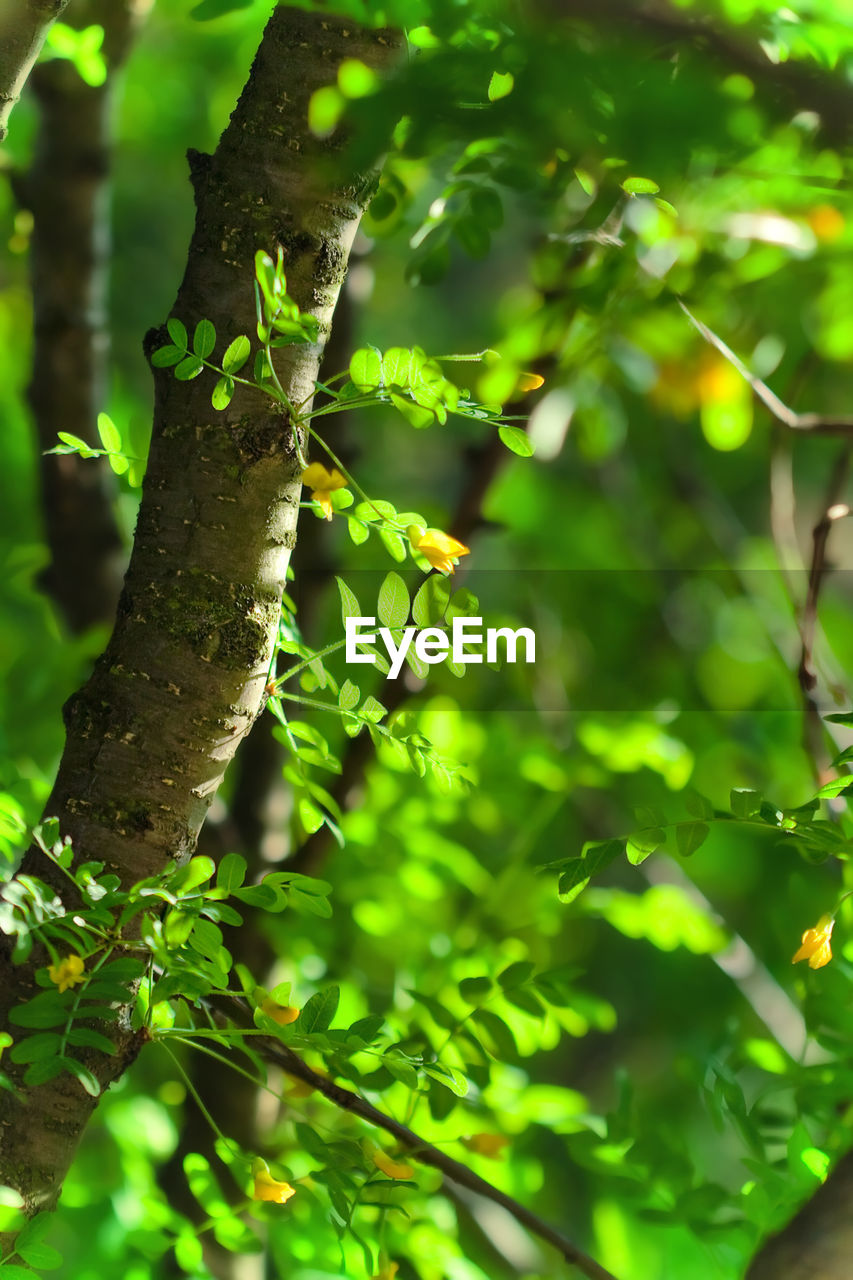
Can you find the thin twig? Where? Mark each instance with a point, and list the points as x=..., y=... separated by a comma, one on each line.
x=417, y=1147
x=812, y=423
x=834, y=510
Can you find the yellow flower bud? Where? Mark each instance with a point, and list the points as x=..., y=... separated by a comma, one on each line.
x=815, y=944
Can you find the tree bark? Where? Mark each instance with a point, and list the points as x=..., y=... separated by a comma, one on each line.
x=67, y=192
x=24, y=25
x=151, y=733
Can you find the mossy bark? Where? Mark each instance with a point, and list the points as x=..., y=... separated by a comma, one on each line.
x=182, y=679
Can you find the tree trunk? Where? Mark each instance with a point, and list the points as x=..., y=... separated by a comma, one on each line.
x=151, y=733
x=67, y=192
x=817, y=1244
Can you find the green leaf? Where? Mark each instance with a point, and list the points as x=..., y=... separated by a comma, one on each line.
x=365, y=368
x=500, y=85
x=745, y=802
x=643, y=843
x=44, y=1070
x=837, y=787
x=448, y=1076
x=88, y=1038
x=310, y=903
x=195, y=872
x=204, y=339
x=689, y=836
x=109, y=433
x=118, y=463
x=77, y=445
x=430, y=603
x=178, y=334
x=640, y=187
x=578, y=871
x=397, y=367
x=34, y=1048
x=263, y=896
x=349, y=696
x=188, y=369
x=698, y=806
x=319, y=1011
x=222, y=393
x=87, y=1078
x=311, y=817
x=393, y=543
x=393, y=604
x=47, y=1009
x=416, y=415
x=236, y=354
x=189, y=1253
x=29, y=1244
x=231, y=872
x=475, y=990
x=358, y=531
x=373, y=711
x=474, y=237
x=516, y=440
x=441, y=1017
x=516, y=974
x=350, y=608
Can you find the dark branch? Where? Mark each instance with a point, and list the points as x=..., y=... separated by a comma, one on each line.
x=416, y=1147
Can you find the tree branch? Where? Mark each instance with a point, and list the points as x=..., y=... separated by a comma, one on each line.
x=422, y=1151
x=808, y=423
x=834, y=510
x=24, y=25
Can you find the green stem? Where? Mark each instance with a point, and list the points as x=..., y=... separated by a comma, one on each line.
x=241, y=1071
x=77, y=998
x=321, y=653
x=344, y=472
x=202, y=1108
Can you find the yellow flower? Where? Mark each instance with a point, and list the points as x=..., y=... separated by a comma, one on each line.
x=529, y=382
x=283, y=1014
x=323, y=484
x=439, y=548
x=826, y=222
x=486, y=1144
x=266, y=1187
x=816, y=948
x=65, y=973
x=392, y=1168
x=387, y=1272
